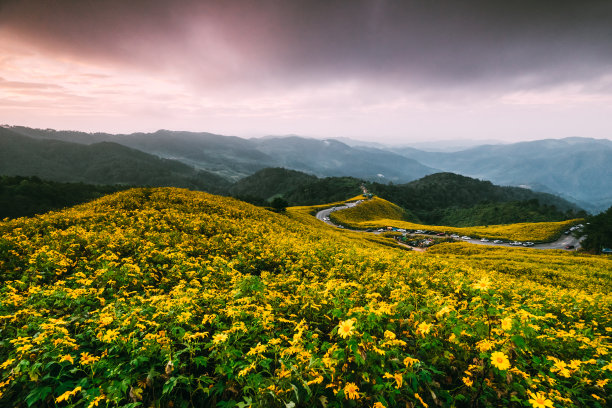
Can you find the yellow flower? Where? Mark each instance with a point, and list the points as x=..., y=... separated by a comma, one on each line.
x=399, y=379
x=424, y=328
x=417, y=396
x=219, y=338
x=500, y=360
x=409, y=361
x=65, y=396
x=539, y=400
x=482, y=284
x=87, y=359
x=67, y=357
x=389, y=335
x=378, y=404
x=6, y=363
x=467, y=381
x=506, y=324
x=351, y=391
x=484, y=345
x=345, y=328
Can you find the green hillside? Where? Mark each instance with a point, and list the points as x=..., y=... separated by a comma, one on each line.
x=98, y=163
x=270, y=182
x=171, y=298
x=27, y=196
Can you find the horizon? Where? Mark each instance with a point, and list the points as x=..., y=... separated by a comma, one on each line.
x=371, y=71
x=419, y=144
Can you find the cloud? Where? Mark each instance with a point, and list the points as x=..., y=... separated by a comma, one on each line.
x=313, y=66
x=410, y=43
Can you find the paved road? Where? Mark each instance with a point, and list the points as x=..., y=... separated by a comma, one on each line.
x=323, y=215
x=561, y=243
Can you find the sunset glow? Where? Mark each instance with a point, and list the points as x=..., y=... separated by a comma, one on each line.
x=368, y=70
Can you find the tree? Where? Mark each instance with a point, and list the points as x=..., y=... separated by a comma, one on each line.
x=598, y=232
x=279, y=204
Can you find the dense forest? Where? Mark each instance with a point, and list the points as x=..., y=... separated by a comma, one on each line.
x=27, y=196
x=598, y=231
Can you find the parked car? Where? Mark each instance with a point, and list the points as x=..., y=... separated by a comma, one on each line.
x=484, y=240
x=569, y=247
x=528, y=244
x=516, y=243
x=498, y=241
x=466, y=237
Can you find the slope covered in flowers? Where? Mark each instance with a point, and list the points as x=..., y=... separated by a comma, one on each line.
x=379, y=213
x=169, y=298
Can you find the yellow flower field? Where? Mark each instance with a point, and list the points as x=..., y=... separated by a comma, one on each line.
x=170, y=298
x=379, y=213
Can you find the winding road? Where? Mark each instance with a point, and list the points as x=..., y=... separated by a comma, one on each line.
x=563, y=242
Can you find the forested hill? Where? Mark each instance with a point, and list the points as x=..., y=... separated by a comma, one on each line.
x=27, y=196
x=452, y=199
x=442, y=198
x=98, y=163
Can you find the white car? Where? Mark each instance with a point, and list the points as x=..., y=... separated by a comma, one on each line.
x=498, y=241
x=484, y=240
x=466, y=237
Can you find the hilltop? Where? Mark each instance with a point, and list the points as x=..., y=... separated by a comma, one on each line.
x=153, y=296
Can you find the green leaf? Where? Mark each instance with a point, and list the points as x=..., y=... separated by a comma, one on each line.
x=38, y=394
x=169, y=385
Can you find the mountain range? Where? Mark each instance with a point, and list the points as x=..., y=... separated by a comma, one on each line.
x=577, y=169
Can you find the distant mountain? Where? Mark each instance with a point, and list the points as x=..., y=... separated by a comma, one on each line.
x=97, y=163
x=234, y=158
x=333, y=158
x=450, y=145
x=578, y=169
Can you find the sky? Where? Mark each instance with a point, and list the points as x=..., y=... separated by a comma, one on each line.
x=387, y=71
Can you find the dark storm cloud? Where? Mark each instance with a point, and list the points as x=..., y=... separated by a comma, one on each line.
x=512, y=44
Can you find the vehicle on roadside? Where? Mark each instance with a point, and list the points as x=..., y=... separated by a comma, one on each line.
x=498, y=241
x=454, y=236
x=465, y=237
x=569, y=247
x=528, y=244
x=516, y=243
x=484, y=240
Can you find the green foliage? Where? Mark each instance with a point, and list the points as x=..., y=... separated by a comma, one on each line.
x=452, y=199
x=270, y=182
x=279, y=204
x=98, y=163
x=598, y=232
x=27, y=196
